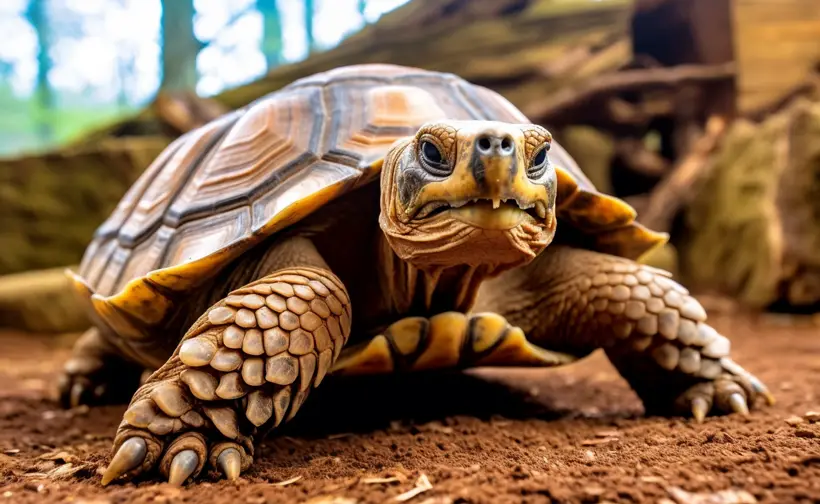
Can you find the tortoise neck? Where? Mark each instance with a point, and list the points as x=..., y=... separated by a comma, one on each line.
x=414, y=291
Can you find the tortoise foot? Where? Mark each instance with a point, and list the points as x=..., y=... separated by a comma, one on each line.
x=733, y=391
x=178, y=458
x=661, y=342
x=243, y=368
x=94, y=375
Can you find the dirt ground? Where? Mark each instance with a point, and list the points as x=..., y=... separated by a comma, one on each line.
x=574, y=434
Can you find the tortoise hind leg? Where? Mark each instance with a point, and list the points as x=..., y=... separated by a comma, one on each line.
x=96, y=373
x=244, y=367
x=446, y=340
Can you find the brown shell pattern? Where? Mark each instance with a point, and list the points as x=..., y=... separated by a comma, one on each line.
x=218, y=190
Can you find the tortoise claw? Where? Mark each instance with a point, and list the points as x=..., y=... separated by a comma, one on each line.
x=183, y=465
x=130, y=455
x=76, y=395
x=762, y=390
x=699, y=409
x=738, y=404
x=230, y=463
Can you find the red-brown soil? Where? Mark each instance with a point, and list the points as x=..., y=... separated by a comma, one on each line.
x=574, y=434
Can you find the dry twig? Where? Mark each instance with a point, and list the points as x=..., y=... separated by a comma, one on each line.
x=422, y=485
x=288, y=481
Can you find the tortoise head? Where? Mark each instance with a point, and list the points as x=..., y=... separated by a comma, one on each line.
x=469, y=192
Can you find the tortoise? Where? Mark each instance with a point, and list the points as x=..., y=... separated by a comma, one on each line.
x=364, y=220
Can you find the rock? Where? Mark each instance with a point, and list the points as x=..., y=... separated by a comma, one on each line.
x=751, y=231
x=795, y=420
x=812, y=416
x=730, y=496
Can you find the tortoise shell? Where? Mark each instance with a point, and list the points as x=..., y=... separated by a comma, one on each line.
x=217, y=191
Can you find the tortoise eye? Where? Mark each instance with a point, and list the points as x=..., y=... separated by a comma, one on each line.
x=538, y=165
x=432, y=159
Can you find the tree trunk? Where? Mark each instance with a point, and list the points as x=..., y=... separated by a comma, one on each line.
x=309, y=39
x=271, y=32
x=38, y=18
x=179, y=46
x=126, y=66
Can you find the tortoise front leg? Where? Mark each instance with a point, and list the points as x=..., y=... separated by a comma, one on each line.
x=449, y=340
x=244, y=367
x=654, y=333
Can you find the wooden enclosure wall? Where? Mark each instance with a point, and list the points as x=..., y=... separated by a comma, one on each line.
x=676, y=32
x=777, y=45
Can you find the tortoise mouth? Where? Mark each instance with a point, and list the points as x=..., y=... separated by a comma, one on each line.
x=485, y=212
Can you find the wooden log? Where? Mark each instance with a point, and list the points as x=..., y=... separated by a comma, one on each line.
x=41, y=302
x=752, y=231
x=51, y=204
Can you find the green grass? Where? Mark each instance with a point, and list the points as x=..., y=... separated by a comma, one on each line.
x=21, y=120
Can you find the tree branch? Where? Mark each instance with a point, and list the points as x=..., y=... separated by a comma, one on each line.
x=627, y=80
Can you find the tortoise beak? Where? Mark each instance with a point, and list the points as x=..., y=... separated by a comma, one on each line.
x=494, y=164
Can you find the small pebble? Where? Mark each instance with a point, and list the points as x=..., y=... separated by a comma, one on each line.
x=653, y=479
x=795, y=420
x=594, y=491
x=598, y=441
x=812, y=416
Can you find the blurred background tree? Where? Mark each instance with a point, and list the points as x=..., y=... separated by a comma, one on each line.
x=272, y=41
x=68, y=66
x=180, y=47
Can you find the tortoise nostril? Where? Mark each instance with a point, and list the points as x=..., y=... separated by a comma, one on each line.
x=495, y=144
